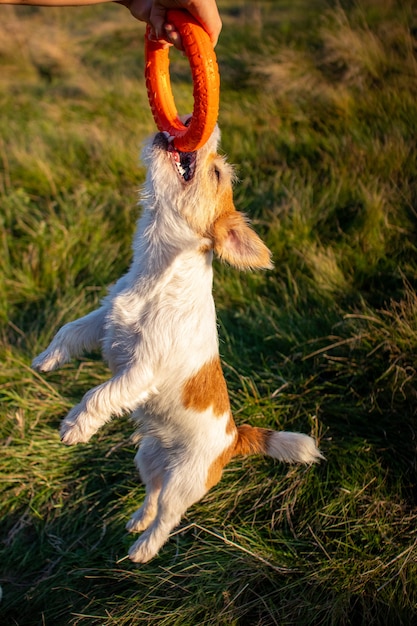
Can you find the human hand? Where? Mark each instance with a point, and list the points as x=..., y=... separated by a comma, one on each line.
x=154, y=13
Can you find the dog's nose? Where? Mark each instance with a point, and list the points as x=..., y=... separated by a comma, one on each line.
x=161, y=140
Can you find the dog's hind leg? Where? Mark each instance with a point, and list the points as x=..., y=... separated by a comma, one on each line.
x=145, y=514
x=72, y=340
x=181, y=489
x=150, y=461
x=123, y=393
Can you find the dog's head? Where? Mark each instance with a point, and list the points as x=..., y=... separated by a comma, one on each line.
x=197, y=187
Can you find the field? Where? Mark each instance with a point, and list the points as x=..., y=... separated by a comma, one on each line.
x=318, y=114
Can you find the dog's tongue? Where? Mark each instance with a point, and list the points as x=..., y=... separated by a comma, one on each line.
x=175, y=154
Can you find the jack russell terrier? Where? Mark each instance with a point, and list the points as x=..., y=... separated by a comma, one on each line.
x=157, y=330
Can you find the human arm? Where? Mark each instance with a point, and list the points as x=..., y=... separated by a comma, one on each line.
x=152, y=12
x=53, y=3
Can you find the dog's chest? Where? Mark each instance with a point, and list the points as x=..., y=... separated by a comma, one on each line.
x=166, y=325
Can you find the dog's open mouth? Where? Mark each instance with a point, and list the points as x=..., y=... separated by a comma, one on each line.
x=184, y=162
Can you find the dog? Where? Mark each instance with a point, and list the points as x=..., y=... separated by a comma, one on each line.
x=157, y=331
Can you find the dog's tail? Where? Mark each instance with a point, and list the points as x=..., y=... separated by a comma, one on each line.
x=285, y=446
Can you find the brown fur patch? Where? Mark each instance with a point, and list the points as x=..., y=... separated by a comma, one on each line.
x=205, y=248
x=248, y=440
x=251, y=440
x=236, y=242
x=207, y=388
x=230, y=426
x=225, y=205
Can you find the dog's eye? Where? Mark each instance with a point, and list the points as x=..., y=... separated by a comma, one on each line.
x=217, y=172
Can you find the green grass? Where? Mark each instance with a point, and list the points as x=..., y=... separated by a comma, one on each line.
x=318, y=112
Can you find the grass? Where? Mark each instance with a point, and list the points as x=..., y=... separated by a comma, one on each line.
x=318, y=114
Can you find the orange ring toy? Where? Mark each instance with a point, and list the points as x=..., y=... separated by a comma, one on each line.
x=206, y=84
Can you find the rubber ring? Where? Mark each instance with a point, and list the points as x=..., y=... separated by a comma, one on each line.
x=206, y=83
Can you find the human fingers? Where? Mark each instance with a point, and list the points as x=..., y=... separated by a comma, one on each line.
x=205, y=12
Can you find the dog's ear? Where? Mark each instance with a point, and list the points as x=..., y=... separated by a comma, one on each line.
x=239, y=245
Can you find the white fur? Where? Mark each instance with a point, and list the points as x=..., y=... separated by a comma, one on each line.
x=293, y=448
x=157, y=329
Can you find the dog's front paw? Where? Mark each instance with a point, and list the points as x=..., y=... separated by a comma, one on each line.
x=76, y=427
x=71, y=433
x=50, y=360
